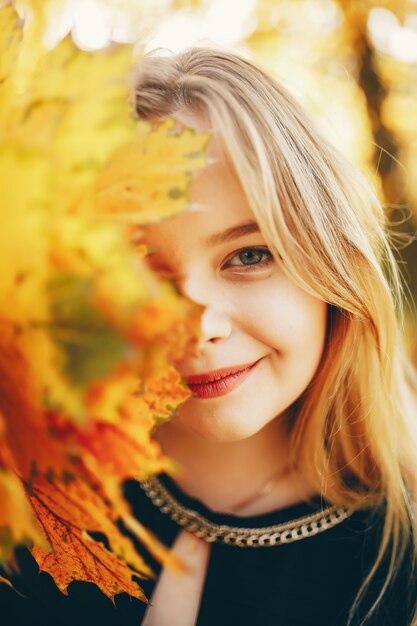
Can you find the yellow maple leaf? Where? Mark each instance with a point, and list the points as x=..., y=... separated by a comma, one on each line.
x=148, y=180
x=71, y=293
x=10, y=45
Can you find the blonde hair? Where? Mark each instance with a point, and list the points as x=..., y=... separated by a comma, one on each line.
x=353, y=430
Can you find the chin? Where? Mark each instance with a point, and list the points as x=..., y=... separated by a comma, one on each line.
x=218, y=430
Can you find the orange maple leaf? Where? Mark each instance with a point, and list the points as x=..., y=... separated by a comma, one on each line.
x=68, y=513
x=117, y=441
x=58, y=481
x=17, y=521
x=28, y=446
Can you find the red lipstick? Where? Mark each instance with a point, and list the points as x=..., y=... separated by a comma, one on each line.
x=219, y=382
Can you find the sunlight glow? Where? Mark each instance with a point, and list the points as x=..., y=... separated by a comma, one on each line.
x=389, y=37
x=92, y=25
x=219, y=23
x=324, y=15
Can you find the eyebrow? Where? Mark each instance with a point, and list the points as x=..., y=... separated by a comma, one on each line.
x=231, y=233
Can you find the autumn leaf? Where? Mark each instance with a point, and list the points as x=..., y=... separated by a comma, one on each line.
x=96, y=119
x=25, y=436
x=116, y=442
x=62, y=499
x=163, y=392
x=88, y=334
x=10, y=45
x=6, y=582
x=17, y=522
x=167, y=322
x=69, y=514
x=148, y=180
x=90, y=344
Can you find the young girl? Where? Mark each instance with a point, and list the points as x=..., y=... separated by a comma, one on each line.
x=295, y=504
x=303, y=401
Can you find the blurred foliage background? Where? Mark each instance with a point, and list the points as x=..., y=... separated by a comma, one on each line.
x=353, y=64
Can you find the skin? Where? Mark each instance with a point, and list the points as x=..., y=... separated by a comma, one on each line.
x=229, y=446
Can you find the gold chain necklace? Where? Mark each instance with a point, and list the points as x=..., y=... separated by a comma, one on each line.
x=201, y=527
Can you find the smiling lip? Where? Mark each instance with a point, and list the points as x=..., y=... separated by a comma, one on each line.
x=219, y=382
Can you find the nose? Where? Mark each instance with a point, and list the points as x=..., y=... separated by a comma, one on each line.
x=215, y=325
x=216, y=319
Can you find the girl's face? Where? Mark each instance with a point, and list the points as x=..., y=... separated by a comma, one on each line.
x=253, y=312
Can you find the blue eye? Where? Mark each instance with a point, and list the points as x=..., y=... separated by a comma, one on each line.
x=252, y=257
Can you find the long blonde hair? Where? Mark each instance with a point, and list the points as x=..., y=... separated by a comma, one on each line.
x=353, y=432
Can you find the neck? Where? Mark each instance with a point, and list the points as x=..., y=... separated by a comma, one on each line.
x=225, y=474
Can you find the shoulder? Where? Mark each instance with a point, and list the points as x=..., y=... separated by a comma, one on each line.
x=353, y=551
x=320, y=577
x=395, y=580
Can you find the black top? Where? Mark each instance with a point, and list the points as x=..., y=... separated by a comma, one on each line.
x=310, y=582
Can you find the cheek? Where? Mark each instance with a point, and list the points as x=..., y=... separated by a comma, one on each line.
x=284, y=317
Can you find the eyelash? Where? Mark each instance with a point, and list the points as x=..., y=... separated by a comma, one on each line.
x=248, y=268
x=255, y=265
